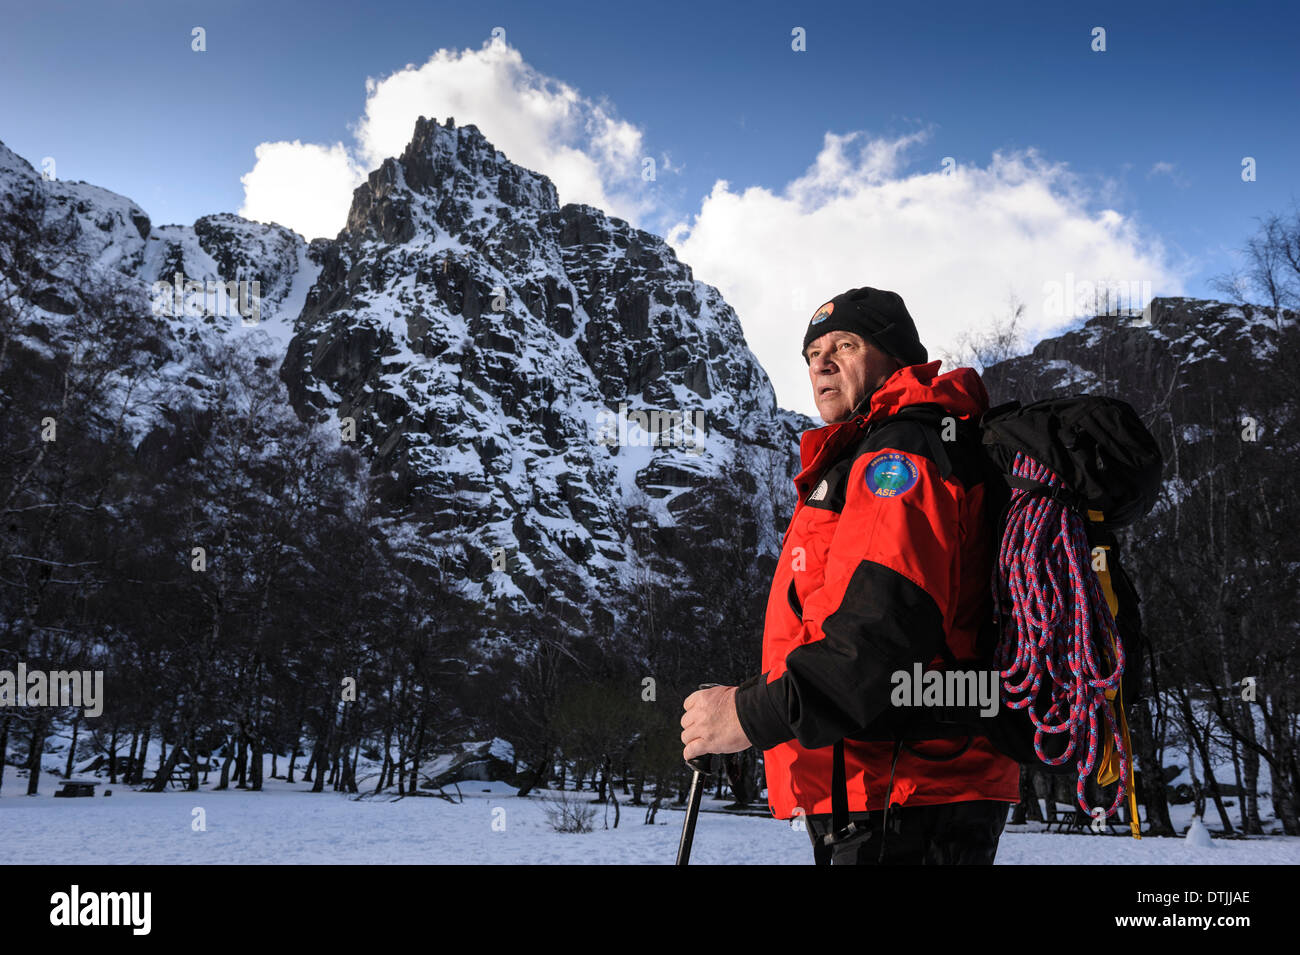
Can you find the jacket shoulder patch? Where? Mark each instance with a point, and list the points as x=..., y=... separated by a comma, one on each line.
x=890, y=475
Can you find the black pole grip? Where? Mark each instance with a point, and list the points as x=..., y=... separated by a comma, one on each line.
x=705, y=765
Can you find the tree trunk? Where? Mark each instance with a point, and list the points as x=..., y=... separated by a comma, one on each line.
x=112, y=757
x=613, y=798
x=137, y=768
x=537, y=775
x=193, y=784
x=321, y=752
x=293, y=755
x=4, y=747
x=1203, y=749
x=159, y=782
x=340, y=735
x=318, y=757
x=34, y=756
x=356, y=760
x=1250, y=821
x=415, y=754
x=130, y=758
x=743, y=783
x=604, y=780
x=1151, y=781
x=1283, y=805
x=255, y=774
x=1047, y=783
x=72, y=747
x=1282, y=769
x=1028, y=807
x=348, y=782
x=226, y=760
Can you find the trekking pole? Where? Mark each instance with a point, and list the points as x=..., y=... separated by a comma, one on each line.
x=702, y=766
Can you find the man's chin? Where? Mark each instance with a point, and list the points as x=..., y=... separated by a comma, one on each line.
x=833, y=413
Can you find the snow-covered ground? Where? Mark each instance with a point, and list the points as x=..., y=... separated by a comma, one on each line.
x=287, y=825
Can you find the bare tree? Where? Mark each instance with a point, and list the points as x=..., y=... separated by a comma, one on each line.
x=1000, y=339
x=1271, y=265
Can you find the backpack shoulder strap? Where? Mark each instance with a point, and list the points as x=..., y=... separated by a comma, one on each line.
x=931, y=418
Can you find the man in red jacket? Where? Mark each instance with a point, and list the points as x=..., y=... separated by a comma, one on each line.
x=884, y=570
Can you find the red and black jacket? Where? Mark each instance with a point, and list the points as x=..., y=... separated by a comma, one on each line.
x=886, y=560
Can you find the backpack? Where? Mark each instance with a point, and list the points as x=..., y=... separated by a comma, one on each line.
x=1059, y=476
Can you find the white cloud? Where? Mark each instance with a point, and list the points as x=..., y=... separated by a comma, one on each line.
x=953, y=246
x=538, y=122
x=1169, y=169
x=306, y=187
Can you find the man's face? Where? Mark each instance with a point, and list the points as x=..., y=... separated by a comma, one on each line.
x=844, y=368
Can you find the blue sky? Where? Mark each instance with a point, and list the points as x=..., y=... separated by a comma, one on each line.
x=1073, y=162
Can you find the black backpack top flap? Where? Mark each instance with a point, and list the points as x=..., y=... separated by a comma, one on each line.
x=1097, y=445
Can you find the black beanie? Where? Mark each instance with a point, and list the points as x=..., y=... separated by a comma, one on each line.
x=878, y=316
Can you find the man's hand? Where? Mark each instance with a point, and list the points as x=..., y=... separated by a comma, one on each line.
x=710, y=724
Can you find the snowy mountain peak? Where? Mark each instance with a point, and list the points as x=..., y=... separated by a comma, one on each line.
x=449, y=177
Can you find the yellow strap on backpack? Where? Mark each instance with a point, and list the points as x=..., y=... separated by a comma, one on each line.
x=1108, y=769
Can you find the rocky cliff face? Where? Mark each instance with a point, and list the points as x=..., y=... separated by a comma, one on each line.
x=1214, y=382
x=511, y=362
x=534, y=382
x=1149, y=358
x=1189, y=366
x=67, y=248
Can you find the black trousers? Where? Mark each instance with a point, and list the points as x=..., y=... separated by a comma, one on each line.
x=957, y=833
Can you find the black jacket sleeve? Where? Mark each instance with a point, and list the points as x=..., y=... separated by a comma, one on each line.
x=839, y=684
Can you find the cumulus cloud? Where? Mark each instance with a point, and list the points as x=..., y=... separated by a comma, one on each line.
x=955, y=244
x=540, y=123
x=955, y=241
x=306, y=187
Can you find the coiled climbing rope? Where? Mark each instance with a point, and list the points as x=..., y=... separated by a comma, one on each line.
x=1059, y=622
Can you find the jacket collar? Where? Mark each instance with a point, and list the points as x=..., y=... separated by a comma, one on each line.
x=960, y=392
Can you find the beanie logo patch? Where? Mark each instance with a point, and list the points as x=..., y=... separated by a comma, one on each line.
x=890, y=475
x=823, y=313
